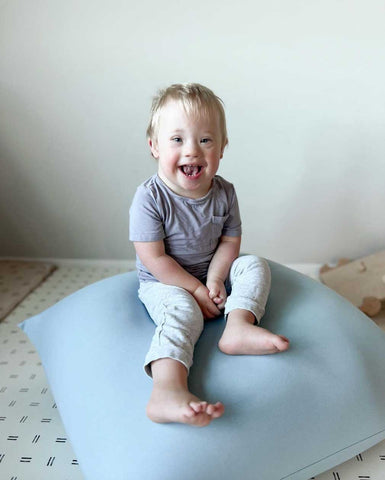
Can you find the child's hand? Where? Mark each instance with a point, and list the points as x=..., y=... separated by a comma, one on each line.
x=217, y=292
x=206, y=304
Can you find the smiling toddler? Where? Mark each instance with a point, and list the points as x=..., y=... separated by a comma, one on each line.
x=186, y=228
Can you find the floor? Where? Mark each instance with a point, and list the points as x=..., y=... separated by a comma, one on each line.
x=33, y=443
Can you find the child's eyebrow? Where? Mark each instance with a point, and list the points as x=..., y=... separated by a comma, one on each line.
x=177, y=131
x=180, y=130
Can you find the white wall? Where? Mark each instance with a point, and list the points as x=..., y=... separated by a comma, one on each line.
x=303, y=83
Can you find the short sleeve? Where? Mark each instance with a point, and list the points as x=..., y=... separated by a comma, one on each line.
x=145, y=221
x=233, y=224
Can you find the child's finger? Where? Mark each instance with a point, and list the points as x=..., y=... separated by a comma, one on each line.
x=220, y=302
x=213, y=311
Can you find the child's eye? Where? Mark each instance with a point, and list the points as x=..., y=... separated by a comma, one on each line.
x=205, y=140
x=176, y=139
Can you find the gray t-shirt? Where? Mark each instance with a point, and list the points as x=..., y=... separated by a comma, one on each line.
x=190, y=228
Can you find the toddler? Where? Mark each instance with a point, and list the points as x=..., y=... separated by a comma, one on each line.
x=186, y=229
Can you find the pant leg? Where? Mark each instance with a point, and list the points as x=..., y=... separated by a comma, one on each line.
x=250, y=281
x=179, y=322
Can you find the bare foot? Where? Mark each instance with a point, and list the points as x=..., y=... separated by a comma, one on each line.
x=242, y=337
x=171, y=401
x=181, y=406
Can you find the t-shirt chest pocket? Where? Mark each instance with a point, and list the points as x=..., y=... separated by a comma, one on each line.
x=217, y=224
x=206, y=235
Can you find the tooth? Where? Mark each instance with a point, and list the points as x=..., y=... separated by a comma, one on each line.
x=190, y=170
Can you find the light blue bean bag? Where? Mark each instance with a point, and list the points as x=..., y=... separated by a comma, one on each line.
x=288, y=416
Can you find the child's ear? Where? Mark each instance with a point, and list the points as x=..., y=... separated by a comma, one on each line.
x=153, y=148
x=224, y=146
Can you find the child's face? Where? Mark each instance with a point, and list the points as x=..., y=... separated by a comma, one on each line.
x=188, y=150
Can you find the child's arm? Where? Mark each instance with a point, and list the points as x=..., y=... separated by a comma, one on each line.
x=227, y=251
x=168, y=271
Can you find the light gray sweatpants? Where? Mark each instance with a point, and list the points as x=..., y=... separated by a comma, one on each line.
x=179, y=319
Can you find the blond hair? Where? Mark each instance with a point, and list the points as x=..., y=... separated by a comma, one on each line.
x=196, y=100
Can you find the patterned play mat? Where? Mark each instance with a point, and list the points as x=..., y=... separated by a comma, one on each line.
x=17, y=280
x=33, y=442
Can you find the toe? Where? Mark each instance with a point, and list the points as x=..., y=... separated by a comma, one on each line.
x=218, y=410
x=198, y=407
x=282, y=343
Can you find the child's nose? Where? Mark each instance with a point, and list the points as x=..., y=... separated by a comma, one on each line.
x=192, y=149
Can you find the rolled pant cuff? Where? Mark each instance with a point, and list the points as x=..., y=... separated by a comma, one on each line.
x=244, y=304
x=152, y=357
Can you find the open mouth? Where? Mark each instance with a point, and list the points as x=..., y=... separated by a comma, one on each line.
x=191, y=170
